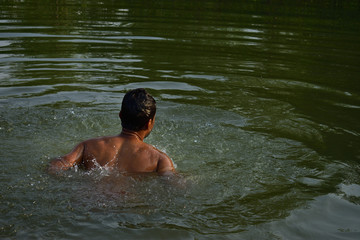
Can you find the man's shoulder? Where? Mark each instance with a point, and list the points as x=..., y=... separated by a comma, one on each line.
x=165, y=164
x=154, y=152
x=103, y=139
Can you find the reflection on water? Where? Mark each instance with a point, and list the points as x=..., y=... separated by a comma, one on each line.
x=258, y=106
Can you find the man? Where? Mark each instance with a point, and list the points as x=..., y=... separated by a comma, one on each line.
x=125, y=152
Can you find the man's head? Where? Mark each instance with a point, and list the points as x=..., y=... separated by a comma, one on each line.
x=138, y=107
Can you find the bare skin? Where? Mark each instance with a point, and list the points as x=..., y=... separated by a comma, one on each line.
x=126, y=152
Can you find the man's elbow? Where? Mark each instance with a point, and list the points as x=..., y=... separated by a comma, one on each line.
x=56, y=166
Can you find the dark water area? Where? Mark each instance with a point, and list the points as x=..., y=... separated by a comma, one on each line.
x=258, y=107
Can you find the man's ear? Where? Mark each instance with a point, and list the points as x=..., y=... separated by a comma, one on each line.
x=148, y=124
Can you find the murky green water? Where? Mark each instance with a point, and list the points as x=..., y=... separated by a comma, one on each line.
x=258, y=106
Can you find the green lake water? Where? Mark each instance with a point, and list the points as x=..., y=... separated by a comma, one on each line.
x=258, y=107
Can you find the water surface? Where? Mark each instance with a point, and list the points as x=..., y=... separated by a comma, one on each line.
x=258, y=106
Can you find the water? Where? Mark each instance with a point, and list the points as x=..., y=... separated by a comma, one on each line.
x=258, y=106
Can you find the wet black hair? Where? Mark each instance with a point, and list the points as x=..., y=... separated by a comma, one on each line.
x=137, y=108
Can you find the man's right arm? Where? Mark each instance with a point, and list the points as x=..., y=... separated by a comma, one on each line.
x=165, y=165
x=67, y=161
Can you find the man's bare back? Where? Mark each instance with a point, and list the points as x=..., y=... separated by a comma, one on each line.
x=126, y=152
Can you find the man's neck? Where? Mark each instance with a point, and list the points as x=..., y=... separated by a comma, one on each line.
x=129, y=133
